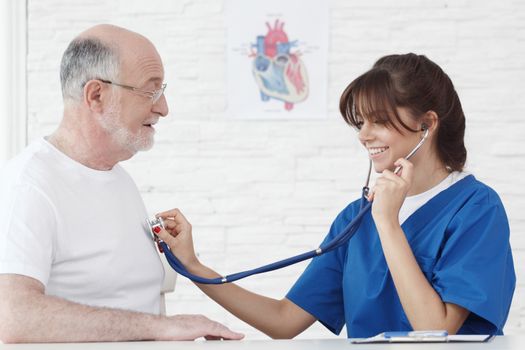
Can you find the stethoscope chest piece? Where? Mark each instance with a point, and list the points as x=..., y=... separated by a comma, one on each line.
x=155, y=225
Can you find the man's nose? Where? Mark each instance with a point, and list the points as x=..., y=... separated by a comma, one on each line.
x=160, y=107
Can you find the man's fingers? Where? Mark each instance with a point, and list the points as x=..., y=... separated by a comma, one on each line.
x=220, y=331
x=212, y=337
x=196, y=326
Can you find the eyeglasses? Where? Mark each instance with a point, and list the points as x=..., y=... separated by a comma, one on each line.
x=153, y=95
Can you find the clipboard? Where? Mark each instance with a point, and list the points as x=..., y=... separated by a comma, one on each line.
x=439, y=336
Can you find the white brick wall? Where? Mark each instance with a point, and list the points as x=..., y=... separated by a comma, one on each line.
x=258, y=191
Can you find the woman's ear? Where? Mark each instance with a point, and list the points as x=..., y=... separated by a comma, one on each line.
x=430, y=121
x=93, y=91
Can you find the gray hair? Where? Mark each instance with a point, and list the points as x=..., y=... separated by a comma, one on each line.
x=83, y=60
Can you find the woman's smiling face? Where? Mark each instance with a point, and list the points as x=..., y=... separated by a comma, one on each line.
x=384, y=143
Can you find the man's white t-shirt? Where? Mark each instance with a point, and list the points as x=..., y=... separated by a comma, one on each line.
x=79, y=231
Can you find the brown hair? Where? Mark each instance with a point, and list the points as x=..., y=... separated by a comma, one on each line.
x=417, y=84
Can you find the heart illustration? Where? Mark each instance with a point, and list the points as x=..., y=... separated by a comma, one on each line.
x=279, y=74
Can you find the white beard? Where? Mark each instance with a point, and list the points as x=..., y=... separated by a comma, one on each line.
x=111, y=122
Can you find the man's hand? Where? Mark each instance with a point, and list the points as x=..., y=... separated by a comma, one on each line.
x=191, y=327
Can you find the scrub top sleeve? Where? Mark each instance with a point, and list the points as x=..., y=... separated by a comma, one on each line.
x=319, y=290
x=27, y=233
x=475, y=269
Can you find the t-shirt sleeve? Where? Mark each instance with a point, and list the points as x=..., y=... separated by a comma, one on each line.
x=319, y=290
x=475, y=269
x=27, y=231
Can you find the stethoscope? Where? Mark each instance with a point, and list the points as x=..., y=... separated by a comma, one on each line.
x=324, y=248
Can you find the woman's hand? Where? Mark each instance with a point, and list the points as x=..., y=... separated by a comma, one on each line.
x=177, y=235
x=389, y=193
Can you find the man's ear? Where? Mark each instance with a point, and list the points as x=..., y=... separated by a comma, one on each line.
x=93, y=95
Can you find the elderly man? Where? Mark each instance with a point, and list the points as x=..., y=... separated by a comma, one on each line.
x=76, y=262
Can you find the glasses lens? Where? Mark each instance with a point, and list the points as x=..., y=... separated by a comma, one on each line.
x=158, y=93
x=156, y=96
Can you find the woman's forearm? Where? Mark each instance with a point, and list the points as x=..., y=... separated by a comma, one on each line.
x=421, y=303
x=276, y=318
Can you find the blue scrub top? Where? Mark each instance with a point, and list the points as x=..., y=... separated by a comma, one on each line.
x=460, y=239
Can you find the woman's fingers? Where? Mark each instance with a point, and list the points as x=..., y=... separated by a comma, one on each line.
x=390, y=180
x=168, y=223
x=171, y=214
x=168, y=213
x=167, y=237
x=407, y=169
x=175, y=228
x=175, y=215
x=174, y=221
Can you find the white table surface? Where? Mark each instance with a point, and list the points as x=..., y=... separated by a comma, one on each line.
x=498, y=343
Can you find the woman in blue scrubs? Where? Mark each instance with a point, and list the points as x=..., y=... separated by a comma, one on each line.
x=434, y=251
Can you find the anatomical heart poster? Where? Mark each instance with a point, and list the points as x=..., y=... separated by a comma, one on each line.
x=277, y=58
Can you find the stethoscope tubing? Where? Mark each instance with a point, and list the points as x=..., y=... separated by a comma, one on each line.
x=333, y=244
x=338, y=241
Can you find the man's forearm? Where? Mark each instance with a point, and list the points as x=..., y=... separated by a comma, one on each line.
x=42, y=318
x=27, y=315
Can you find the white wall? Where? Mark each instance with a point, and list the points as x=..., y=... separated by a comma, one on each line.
x=13, y=114
x=258, y=191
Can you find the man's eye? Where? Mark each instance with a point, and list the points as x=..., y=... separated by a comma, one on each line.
x=359, y=125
